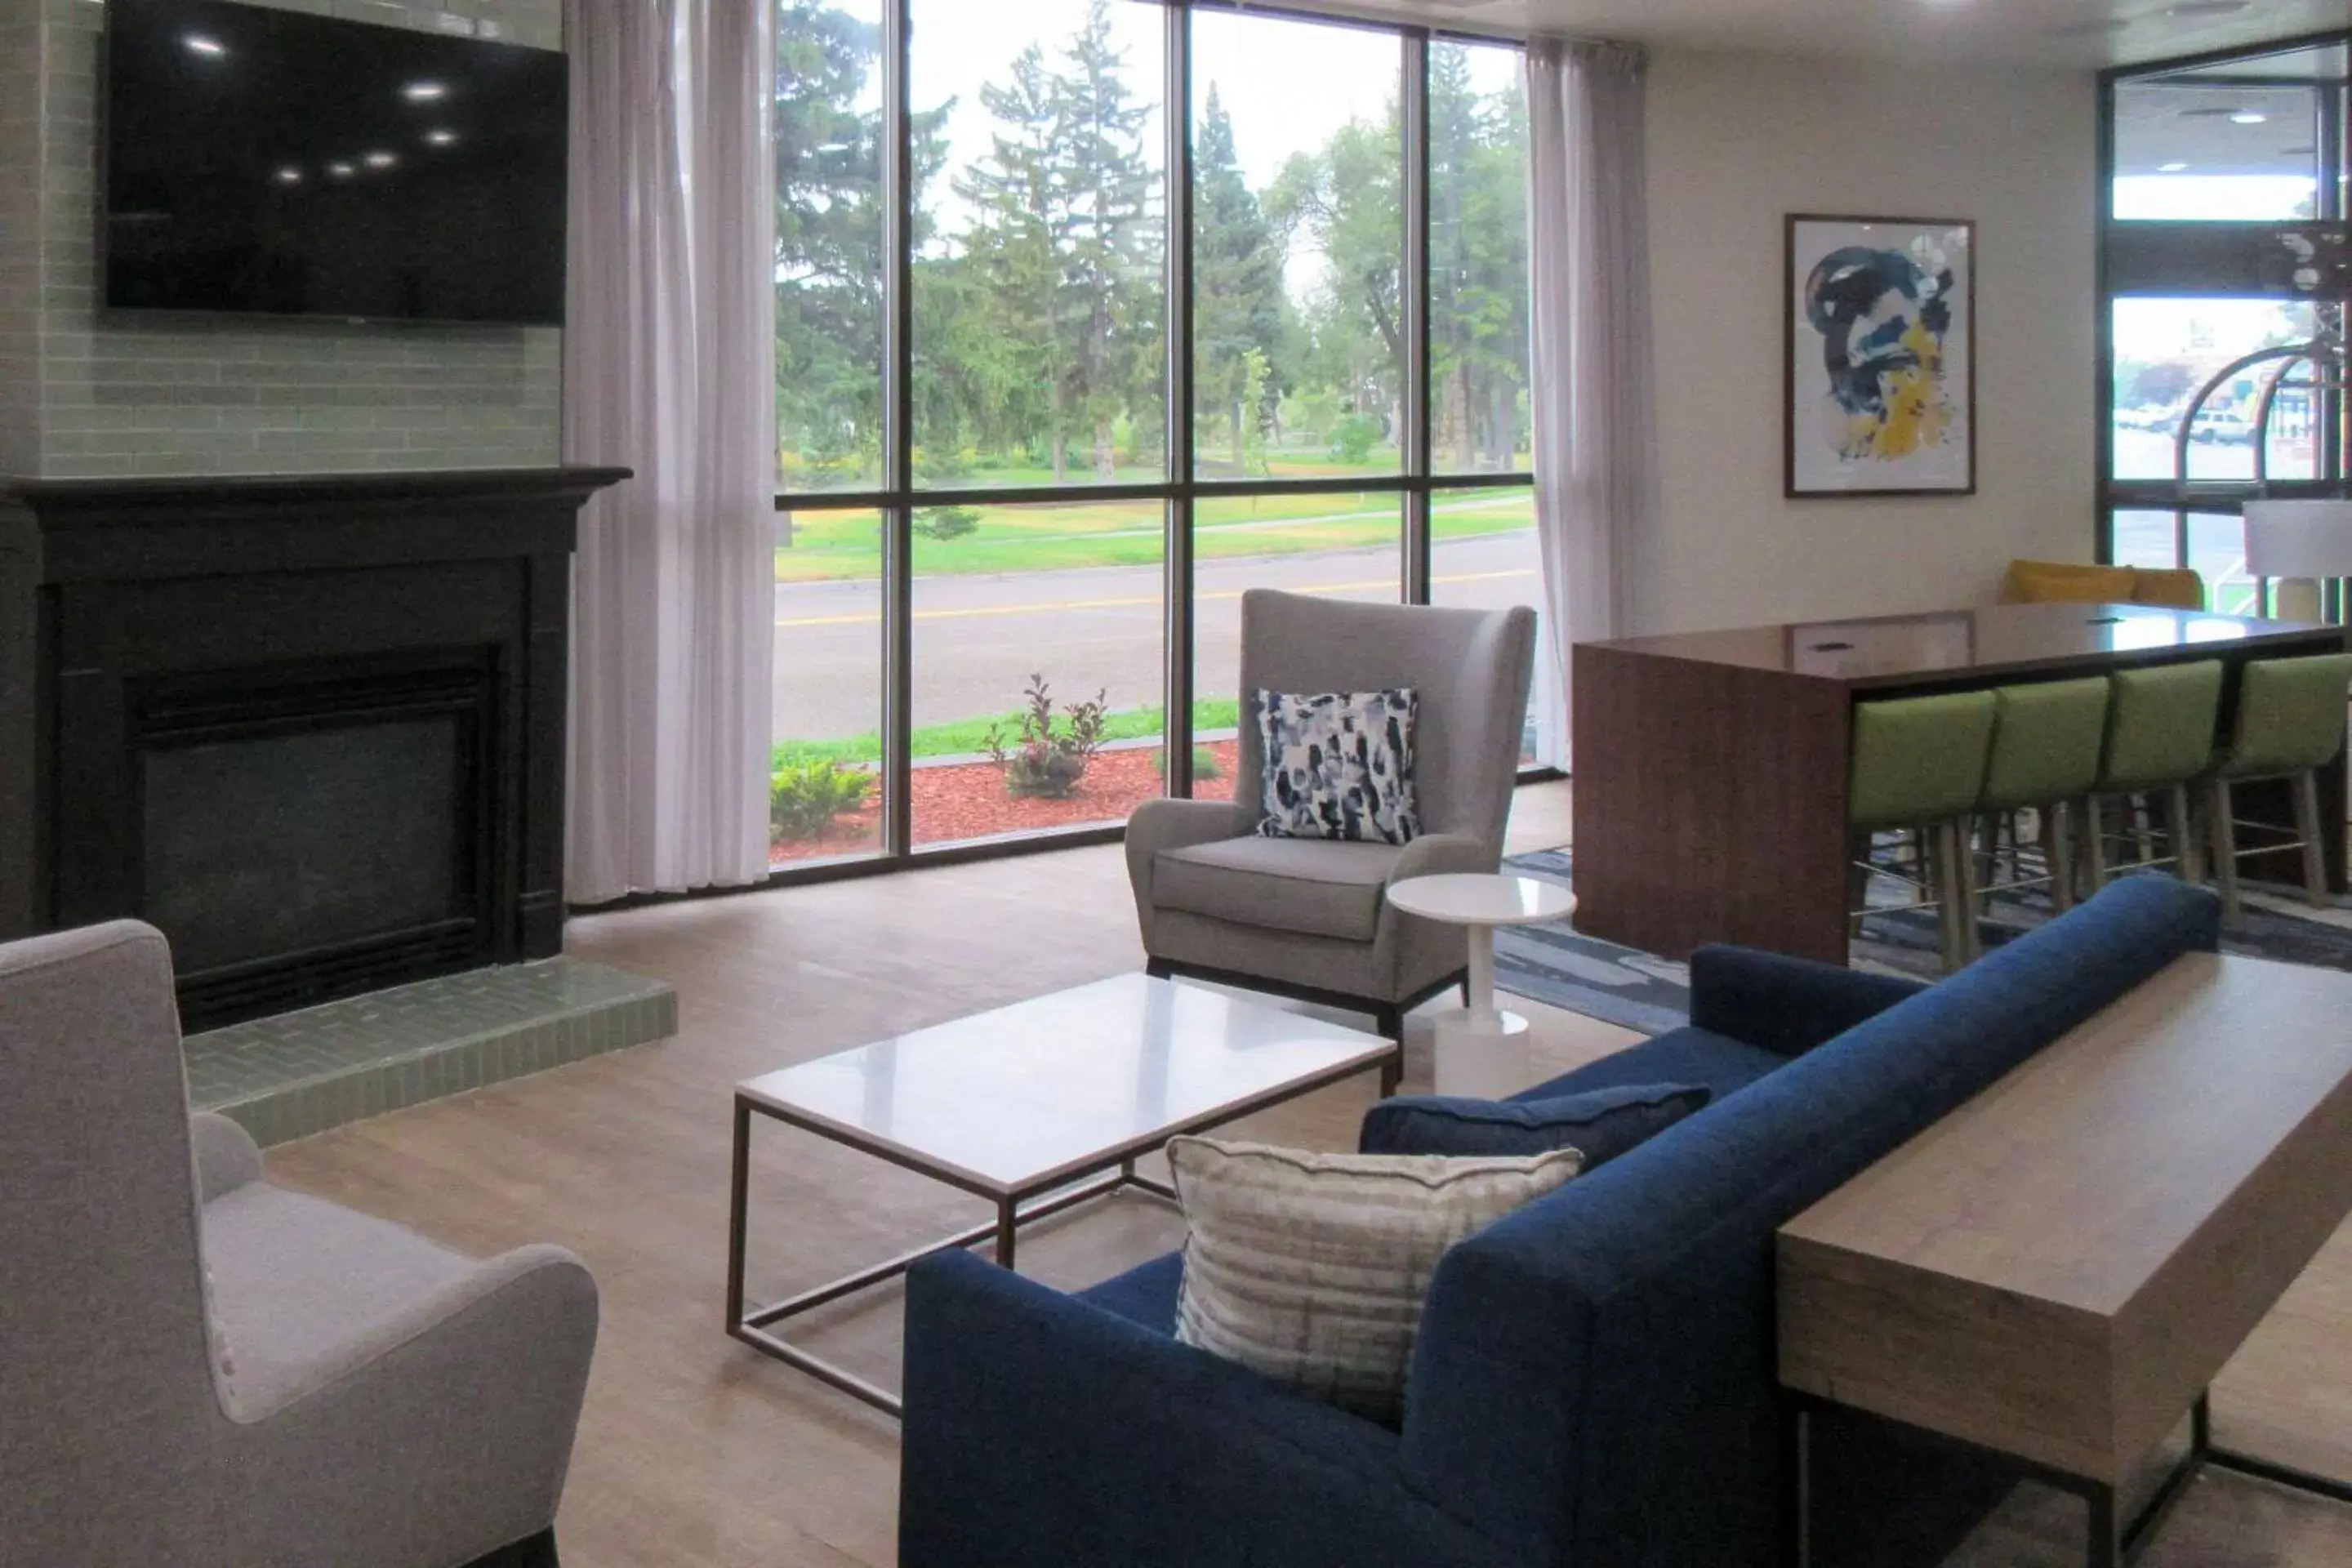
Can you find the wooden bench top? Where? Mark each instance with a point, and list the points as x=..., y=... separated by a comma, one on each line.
x=2060, y=1268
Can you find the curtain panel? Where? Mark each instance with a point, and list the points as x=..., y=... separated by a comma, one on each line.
x=1594, y=413
x=668, y=369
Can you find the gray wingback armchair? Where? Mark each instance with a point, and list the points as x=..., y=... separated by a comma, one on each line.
x=198, y=1369
x=1311, y=919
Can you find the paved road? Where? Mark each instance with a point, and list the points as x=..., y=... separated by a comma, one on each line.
x=978, y=639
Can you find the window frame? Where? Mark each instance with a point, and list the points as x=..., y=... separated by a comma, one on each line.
x=899, y=497
x=2118, y=260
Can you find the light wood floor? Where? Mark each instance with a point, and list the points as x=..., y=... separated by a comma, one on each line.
x=697, y=1453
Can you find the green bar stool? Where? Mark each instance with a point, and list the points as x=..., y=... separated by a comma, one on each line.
x=2047, y=741
x=2160, y=727
x=1918, y=766
x=2290, y=724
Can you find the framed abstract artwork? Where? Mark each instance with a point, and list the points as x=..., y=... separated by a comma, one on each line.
x=1882, y=394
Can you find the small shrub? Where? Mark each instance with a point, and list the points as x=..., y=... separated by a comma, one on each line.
x=944, y=522
x=804, y=798
x=1042, y=762
x=1353, y=438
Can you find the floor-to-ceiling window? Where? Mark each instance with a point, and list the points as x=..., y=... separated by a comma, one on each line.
x=1092, y=315
x=2225, y=201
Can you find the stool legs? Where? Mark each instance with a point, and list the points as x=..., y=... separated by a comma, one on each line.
x=2186, y=862
x=2225, y=851
x=1955, y=895
x=2139, y=825
x=2058, y=848
x=1961, y=904
x=2095, y=844
x=1943, y=861
x=2309, y=829
x=1857, y=882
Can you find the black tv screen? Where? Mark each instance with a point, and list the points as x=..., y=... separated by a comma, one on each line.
x=280, y=164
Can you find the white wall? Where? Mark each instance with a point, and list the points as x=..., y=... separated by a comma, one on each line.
x=1737, y=142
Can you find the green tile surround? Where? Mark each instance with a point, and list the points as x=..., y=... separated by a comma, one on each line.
x=299, y=1073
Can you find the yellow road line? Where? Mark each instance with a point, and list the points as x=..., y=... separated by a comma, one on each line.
x=977, y=610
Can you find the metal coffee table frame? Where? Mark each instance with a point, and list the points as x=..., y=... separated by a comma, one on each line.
x=1098, y=1175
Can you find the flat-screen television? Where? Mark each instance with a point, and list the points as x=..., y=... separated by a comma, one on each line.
x=275, y=163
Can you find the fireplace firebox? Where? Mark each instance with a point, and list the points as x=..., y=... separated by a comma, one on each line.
x=311, y=728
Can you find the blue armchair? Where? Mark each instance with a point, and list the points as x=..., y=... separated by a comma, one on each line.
x=1594, y=1383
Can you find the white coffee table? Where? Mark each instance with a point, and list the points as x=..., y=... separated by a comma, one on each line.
x=1036, y=1107
x=1482, y=1050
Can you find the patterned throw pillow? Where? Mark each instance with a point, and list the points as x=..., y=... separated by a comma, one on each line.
x=1338, y=766
x=1312, y=1269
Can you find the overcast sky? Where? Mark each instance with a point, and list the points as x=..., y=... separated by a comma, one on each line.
x=1287, y=85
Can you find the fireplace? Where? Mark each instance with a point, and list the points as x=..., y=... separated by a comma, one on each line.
x=339, y=810
x=311, y=729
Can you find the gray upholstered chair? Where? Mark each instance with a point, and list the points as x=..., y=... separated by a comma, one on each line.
x=1311, y=919
x=199, y=1370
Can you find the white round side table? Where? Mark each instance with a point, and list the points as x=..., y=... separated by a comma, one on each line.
x=1482, y=1050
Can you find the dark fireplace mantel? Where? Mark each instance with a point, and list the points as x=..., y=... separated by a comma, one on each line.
x=312, y=726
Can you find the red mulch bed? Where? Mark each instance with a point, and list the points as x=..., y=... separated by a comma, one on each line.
x=969, y=800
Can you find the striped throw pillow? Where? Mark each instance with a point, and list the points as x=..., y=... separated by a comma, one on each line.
x=1312, y=1269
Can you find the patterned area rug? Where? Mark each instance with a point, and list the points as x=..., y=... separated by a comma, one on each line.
x=1554, y=964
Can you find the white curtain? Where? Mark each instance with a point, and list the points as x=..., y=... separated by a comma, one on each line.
x=668, y=369
x=1595, y=432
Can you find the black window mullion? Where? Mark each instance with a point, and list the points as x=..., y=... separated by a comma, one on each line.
x=2103, y=333
x=2327, y=404
x=896, y=496
x=898, y=441
x=2217, y=258
x=1176, y=554
x=1415, y=98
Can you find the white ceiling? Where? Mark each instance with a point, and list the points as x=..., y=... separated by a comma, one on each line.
x=2164, y=127
x=2062, y=33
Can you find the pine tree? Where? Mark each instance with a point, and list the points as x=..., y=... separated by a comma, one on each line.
x=1110, y=238
x=828, y=238
x=1065, y=255
x=1011, y=257
x=1479, y=284
x=1238, y=290
x=830, y=213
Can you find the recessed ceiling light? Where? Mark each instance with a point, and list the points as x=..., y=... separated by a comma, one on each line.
x=380, y=160
x=290, y=175
x=423, y=92
x=2250, y=117
x=441, y=138
x=2170, y=168
x=212, y=48
x=340, y=170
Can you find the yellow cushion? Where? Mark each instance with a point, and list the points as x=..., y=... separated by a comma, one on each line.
x=2181, y=589
x=2066, y=583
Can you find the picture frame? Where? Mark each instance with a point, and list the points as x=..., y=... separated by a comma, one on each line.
x=1879, y=389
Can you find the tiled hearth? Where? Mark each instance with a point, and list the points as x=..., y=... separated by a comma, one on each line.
x=299, y=1073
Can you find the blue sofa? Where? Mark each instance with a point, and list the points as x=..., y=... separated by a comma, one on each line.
x=1593, y=1385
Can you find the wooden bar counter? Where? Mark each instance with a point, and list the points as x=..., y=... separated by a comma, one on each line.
x=1711, y=767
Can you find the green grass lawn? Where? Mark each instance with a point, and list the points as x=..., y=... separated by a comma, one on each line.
x=967, y=737
x=847, y=545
